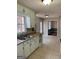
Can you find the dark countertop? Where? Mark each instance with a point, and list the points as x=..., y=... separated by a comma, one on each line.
x=21, y=41
x=29, y=36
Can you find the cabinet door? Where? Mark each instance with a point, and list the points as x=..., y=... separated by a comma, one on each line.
x=32, y=45
x=27, y=48
x=37, y=41
x=20, y=50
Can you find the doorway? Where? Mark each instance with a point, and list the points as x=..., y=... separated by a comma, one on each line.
x=52, y=28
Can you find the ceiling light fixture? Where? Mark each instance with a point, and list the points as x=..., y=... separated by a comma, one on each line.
x=46, y=16
x=47, y=2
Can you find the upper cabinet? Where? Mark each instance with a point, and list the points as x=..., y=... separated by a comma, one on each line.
x=27, y=22
x=28, y=13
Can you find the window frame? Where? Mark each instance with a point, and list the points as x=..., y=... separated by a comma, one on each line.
x=20, y=24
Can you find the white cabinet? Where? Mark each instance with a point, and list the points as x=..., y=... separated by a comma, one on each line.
x=27, y=22
x=32, y=45
x=36, y=39
x=20, y=50
x=27, y=48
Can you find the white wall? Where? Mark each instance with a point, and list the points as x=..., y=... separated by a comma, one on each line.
x=45, y=27
x=37, y=24
x=53, y=24
x=59, y=27
x=28, y=12
x=38, y=20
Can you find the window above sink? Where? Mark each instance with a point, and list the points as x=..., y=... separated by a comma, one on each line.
x=23, y=22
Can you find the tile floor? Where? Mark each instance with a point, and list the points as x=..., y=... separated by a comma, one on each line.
x=49, y=50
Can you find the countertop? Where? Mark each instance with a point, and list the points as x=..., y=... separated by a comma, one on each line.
x=20, y=41
x=33, y=34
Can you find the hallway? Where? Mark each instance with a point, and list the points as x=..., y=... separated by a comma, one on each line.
x=49, y=50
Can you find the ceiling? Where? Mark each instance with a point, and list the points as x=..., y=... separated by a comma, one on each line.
x=53, y=10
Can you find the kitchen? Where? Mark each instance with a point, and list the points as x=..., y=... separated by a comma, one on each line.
x=34, y=36
x=30, y=30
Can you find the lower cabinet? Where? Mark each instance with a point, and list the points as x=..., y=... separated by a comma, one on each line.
x=27, y=47
x=27, y=51
x=32, y=46
x=36, y=40
x=20, y=54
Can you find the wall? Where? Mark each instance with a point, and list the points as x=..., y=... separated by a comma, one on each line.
x=37, y=24
x=53, y=24
x=45, y=27
x=26, y=12
x=59, y=27
x=38, y=20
